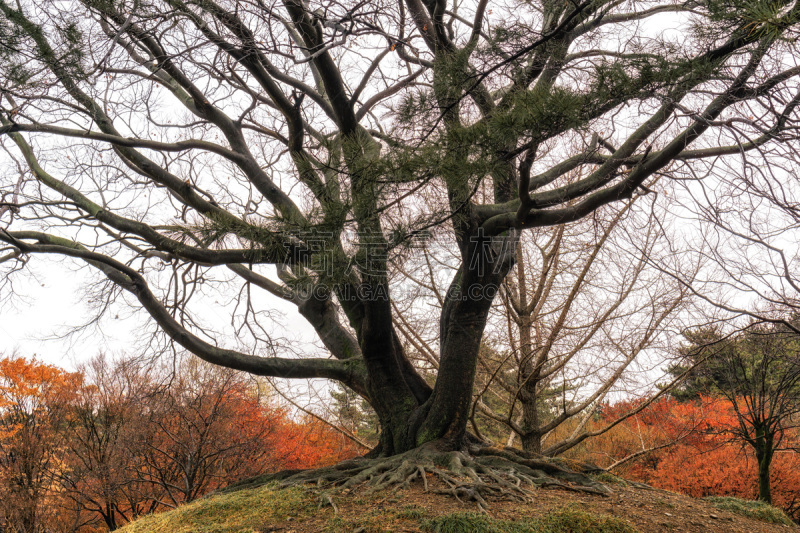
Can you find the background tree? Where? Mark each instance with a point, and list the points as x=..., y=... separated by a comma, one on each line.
x=580, y=329
x=34, y=406
x=100, y=475
x=574, y=322
x=758, y=372
x=92, y=450
x=199, y=428
x=353, y=413
x=685, y=446
x=579, y=308
x=197, y=148
x=636, y=444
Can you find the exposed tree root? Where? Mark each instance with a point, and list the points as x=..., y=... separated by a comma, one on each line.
x=479, y=475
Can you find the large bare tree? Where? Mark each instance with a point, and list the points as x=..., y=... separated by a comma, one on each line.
x=299, y=148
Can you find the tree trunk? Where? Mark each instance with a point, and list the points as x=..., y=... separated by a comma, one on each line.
x=531, y=438
x=764, y=452
x=410, y=413
x=529, y=371
x=485, y=262
x=530, y=402
x=447, y=412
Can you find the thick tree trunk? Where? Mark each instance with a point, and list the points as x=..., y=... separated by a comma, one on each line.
x=410, y=413
x=447, y=411
x=414, y=419
x=532, y=443
x=486, y=261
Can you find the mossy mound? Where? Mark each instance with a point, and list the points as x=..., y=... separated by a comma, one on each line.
x=242, y=511
x=750, y=508
x=257, y=510
x=565, y=520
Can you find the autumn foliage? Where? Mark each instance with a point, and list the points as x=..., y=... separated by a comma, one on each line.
x=690, y=447
x=90, y=451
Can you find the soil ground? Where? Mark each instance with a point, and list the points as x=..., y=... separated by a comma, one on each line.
x=648, y=510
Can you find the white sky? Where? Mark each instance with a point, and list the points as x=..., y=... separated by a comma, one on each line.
x=52, y=302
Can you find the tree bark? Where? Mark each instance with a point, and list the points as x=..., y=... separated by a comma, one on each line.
x=764, y=453
x=531, y=438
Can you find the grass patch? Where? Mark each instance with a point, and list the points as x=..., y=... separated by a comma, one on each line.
x=564, y=520
x=375, y=521
x=338, y=524
x=243, y=511
x=568, y=520
x=378, y=520
x=253, y=510
x=750, y=508
x=608, y=478
x=461, y=523
x=411, y=513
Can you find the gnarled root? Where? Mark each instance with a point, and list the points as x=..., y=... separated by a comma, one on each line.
x=479, y=475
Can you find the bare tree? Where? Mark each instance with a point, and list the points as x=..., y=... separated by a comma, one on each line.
x=181, y=147
x=573, y=318
x=580, y=311
x=189, y=440
x=100, y=474
x=138, y=439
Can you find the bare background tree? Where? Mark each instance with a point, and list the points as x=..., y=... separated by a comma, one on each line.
x=581, y=318
x=579, y=332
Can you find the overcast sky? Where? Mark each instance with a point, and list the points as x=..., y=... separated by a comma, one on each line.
x=53, y=302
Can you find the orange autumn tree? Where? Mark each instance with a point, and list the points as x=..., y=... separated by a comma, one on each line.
x=102, y=483
x=205, y=426
x=687, y=446
x=34, y=403
x=645, y=429
x=201, y=428
x=717, y=463
x=311, y=442
x=757, y=371
x=119, y=439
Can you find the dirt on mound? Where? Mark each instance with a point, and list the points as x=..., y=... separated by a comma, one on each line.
x=648, y=510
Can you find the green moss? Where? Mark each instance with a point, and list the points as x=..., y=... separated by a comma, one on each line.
x=564, y=520
x=251, y=510
x=574, y=521
x=464, y=523
x=243, y=511
x=412, y=513
x=365, y=524
x=378, y=520
x=609, y=478
x=750, y=508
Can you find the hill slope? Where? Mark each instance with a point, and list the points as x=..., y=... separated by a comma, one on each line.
x=629, y=509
